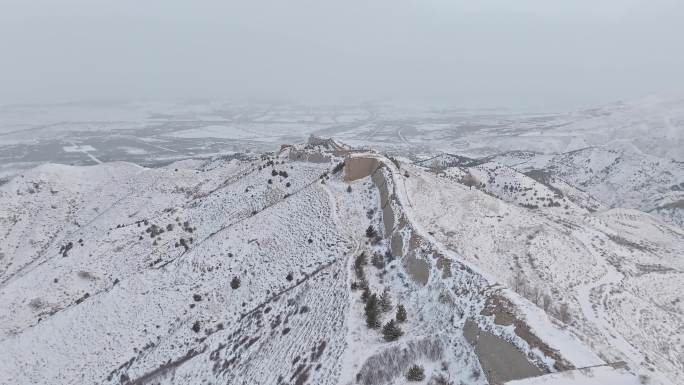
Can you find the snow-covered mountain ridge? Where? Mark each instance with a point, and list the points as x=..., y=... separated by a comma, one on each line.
x=615, y=175
x=260, y=270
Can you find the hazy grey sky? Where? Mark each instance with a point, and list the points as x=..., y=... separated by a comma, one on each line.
x=482, y=52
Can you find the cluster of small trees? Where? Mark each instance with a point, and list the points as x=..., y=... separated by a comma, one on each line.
x=282, y=173
x=154, y=230
x=187, y=227
x=552, y=203
x=184, y=243
x=64, y=250
x=375, y=306
x=275, y=172
x=380, y=260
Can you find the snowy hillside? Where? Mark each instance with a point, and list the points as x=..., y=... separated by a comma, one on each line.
x=617, y=174
x=288, y=267
x=614, y=276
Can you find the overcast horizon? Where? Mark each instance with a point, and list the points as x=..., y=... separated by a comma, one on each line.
x=541, y=54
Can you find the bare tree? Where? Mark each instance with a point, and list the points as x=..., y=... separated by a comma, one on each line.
x=470, y=180
x=564, y=313
x=519, y=282
x=536, y=295
x=546, y=301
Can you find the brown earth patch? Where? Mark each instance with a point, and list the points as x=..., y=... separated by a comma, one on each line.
x=418, y=269
x=359, y=167
x=499, y=359
x=503, y=311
